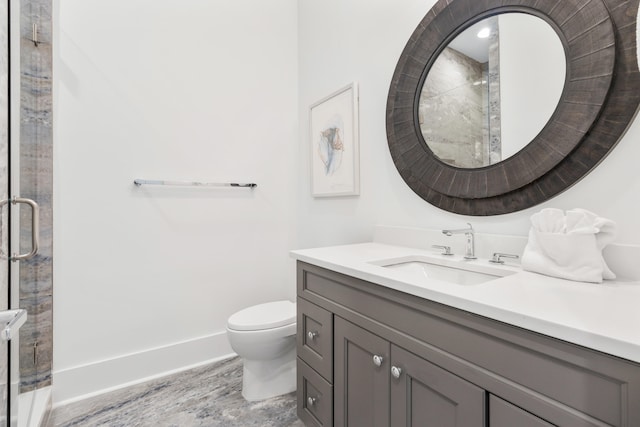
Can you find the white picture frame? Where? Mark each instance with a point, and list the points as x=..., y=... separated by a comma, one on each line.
x=334, y=144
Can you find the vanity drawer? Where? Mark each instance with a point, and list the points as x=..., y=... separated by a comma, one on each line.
x=315, y=397
x=315, y=337
x=504, y=414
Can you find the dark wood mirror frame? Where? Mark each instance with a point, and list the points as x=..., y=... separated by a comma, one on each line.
x=599, y=101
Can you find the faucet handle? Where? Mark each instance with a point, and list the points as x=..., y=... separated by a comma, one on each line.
x=446, y=249
x=497, y=257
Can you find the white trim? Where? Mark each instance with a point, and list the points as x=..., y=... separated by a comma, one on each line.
x=81, y=382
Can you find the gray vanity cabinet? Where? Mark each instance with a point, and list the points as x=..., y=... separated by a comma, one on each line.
x=440, y=366
x=378, y=384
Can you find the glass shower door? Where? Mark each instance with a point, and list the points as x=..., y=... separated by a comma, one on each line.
x=32, y=177
x=25, y=176
x=4, y=195
x=10, y=320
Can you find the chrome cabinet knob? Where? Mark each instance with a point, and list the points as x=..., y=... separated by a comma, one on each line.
x=377, y=360
x=396, y=372
x=311, y=401
x=312, y=335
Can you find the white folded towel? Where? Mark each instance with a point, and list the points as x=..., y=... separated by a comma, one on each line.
x=549, y=220
x=569, y=246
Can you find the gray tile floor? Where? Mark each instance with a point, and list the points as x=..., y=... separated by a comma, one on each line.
x=204, y=396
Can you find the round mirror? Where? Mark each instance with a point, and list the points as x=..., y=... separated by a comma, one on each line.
x=598, y=99
x=482, y=100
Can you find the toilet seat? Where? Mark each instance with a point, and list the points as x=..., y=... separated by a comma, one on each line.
x=263, y=316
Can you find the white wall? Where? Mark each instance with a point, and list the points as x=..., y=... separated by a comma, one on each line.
x=361, y=40
x=177, y=90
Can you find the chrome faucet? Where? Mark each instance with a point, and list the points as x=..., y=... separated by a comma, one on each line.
x=470, y=248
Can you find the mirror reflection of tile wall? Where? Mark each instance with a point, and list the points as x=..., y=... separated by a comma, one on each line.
x=452, y=111
x=459, y=109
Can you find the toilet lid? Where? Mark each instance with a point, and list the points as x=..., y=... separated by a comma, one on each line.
x=263, y=316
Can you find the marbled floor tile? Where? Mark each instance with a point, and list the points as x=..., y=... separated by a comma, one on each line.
x=205, y=396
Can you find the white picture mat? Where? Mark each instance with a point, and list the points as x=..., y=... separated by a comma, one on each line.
x=339, y=177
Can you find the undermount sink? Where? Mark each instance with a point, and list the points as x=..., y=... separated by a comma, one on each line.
x=452, y=271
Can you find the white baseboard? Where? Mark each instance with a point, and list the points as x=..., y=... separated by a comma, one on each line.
x=81, y=382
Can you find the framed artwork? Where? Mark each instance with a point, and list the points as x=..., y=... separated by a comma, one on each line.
x=335, y=162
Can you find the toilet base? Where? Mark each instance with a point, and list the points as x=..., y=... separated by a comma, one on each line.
x=262, y=379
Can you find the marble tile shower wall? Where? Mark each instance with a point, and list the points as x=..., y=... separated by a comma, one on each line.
x=4, y=169
x=4, y=143
x=36, y=182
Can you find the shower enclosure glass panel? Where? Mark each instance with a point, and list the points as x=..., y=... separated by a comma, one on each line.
x=35, y=177
x=4, y=195
x=25, y=161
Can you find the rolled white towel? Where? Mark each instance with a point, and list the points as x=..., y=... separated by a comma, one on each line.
x=582, y=220
x=549, y=220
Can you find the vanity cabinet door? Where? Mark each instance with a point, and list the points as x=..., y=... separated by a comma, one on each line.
x=425, y=395
x=361, y=377
x=504, y=414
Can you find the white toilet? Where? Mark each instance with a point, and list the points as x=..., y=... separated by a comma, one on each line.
x=264, y=336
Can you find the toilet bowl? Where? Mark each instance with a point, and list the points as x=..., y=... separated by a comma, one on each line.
x=264, y=336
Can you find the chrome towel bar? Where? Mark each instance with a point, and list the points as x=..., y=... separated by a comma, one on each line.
x=139, y=182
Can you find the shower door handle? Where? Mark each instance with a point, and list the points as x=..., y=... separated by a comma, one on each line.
x=35, y=227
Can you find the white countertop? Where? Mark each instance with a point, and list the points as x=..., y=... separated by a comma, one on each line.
x=604, y=317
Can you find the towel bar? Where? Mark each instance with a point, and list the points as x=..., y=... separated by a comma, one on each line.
x=139, y=182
